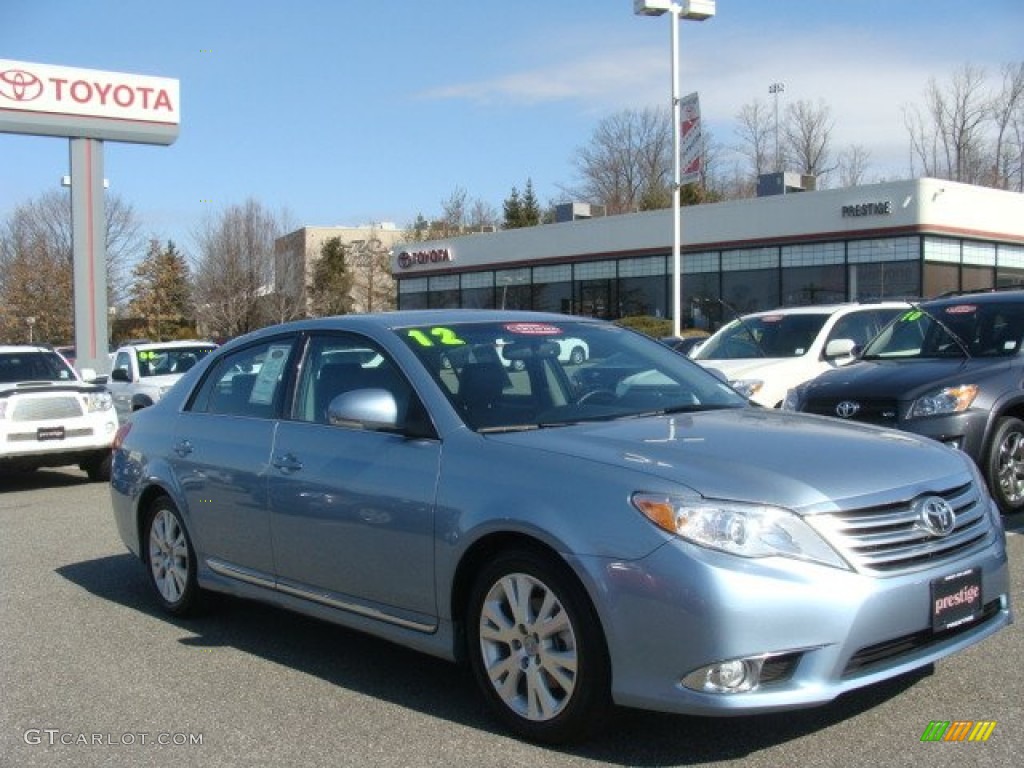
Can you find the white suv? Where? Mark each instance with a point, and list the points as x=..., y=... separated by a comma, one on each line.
x=49, y=417
x=144, y=372
x=765, y=354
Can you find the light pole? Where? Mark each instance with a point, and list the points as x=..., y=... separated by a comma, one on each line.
x=775, y=89
x=695, y=10
x=31, y=322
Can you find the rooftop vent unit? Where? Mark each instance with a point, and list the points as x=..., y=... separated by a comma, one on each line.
x=574, y=211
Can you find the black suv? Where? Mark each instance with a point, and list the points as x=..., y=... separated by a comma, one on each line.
x=950, y=368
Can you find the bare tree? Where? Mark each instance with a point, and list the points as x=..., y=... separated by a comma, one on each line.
x=235, y=269
x=756, y=131
x=853, y=165
x=807, y=136
x=1008, y=106
x=628, y=161
x=454, y=218
x=373, y=288
x=948, y=138
x=482, y=214
x=36, y=264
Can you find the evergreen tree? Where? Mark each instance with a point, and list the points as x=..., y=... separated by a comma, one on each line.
x=161, y=293
x=513, y=210
x=331, y=289
x=530, y=213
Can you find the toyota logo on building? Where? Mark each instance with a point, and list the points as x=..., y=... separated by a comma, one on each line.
x=936, y=515
x=19, y=85
x=847, y=409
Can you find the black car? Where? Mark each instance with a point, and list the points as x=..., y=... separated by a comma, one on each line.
x=950, y=368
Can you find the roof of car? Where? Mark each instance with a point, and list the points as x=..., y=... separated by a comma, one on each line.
x=172, y=344
x=980, y=297
x=8, y=348
x=826, y=309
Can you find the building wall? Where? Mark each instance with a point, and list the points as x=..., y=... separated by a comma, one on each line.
x=297, y=253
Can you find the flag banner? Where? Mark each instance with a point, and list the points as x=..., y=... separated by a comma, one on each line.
x=691, y=142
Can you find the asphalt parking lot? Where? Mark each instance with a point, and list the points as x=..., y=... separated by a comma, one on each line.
x=92, y=674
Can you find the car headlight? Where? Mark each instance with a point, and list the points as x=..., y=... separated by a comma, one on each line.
x=98, y=401
x=747, y=387
x=945, y=400
x=738, y=528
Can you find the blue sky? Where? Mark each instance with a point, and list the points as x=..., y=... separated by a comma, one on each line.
x=359, y=111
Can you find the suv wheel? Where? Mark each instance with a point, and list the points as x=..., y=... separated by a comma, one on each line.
x=1005, y=466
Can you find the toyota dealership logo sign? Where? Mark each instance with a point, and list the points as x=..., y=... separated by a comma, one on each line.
x=66, y=91
x=409, y=259
x=19, y=85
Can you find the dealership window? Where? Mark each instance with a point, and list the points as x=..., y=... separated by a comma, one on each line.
x=750, y=278
x=514, y=288
x=478, y=290
x=813, y=273
x=941, y=266
x=412, y=293
x=642, y=287
x=883, y=268
x=595, y=289
x=1009, y=265
x=444, y=292
x=701, y=290
x=979, y=266
x=553, y=288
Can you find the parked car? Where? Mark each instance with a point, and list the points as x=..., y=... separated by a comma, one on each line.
x=49, y=417
x=684, y=345
x=951, y=369
x=143, y=372
x=655, y=542
x=572, y=351
x=765, y=354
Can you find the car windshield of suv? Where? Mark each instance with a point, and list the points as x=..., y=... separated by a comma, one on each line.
x=33, y=366
x=504, y=376
x=160, y=362
x=772, y=335
x=952, y=330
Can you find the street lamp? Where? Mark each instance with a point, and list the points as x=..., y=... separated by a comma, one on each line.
x=695, y=10
x=775, y=89
x=31, y=322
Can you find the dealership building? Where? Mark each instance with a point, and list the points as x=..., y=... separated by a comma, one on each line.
x=915, y=238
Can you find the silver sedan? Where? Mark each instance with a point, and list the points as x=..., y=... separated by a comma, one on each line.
x=627, y=530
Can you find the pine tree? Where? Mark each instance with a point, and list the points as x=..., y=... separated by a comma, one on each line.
x=161, y=293
x=331, y=289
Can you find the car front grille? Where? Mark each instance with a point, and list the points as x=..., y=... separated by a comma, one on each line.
x=892, y=538
x=42, y=408
x=882, y=411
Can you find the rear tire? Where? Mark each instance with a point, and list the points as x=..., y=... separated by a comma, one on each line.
x=1004, y=468
x=536, y=648
x=170, y=559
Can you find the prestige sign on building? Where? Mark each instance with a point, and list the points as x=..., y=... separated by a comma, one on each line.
x=43, y=99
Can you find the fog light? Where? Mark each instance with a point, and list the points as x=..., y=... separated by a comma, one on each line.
x=734, y=676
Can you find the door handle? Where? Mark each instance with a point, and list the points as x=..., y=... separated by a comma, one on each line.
x=183, y=449
x=287, y=463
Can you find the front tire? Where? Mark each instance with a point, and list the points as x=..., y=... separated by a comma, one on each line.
x=1004, y=468
x=170, y=559
x=536, y=648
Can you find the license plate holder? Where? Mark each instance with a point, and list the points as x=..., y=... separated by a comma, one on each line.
x=49, y=433
x=956, y=599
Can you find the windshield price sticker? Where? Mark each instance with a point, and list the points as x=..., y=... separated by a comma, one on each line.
x=912, y=315
x=961, y=309
x=440, y=335
x=533, y=329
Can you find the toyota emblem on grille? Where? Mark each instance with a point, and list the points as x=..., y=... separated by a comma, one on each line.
x=847, y=409
x=937, y=516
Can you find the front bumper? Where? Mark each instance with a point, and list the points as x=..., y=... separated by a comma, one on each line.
x=683, y=608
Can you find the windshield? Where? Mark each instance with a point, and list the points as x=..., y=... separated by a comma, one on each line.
x=160, y=362
x=33, y=366
x=524, y=375
x=772, y=335
x=981, y=330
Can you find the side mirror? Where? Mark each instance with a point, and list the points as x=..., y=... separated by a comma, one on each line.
x=121, y=374
x=840, y=348
x=373, y=409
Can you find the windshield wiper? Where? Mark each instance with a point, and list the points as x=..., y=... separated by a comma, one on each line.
x=955, y=336
x=743, y=324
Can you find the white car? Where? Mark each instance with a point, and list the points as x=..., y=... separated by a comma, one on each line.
x=570, y=350
x=143, y=373
x=49, y=417
x=765, y=354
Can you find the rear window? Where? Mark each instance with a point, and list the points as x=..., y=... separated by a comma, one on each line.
x=774, y=335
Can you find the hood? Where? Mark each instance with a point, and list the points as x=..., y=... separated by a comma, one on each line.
x=900, y=379
x=755, y=367
x=164, y=380
x=802, y=462
x=39, y=387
